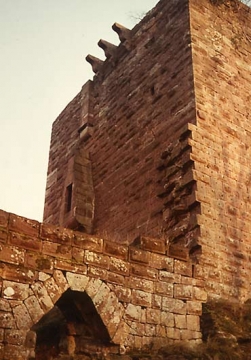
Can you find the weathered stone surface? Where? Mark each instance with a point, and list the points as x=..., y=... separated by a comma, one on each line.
x=7, y=320
x=15, y=337
x=23, y=225
x=42, y=296
x=34, y=308
x=133, y=312
x=76, y=281
x=15, y=291
x=11, y=254
x=165, y=149
x=22, y=317
x=174, y=305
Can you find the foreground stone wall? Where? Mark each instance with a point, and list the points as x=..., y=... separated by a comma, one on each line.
x=141, y=297
x=221, y=144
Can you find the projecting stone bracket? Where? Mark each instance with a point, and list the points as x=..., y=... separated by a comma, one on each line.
x=86, y=131
x=123, y=33
x=108, y=48
x=95, y=62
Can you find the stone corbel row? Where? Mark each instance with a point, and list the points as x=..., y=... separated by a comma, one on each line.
x=109, y=49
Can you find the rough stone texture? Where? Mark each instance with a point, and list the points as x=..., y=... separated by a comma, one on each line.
x=151, y=159
x=139, y=102
x=221, y=145
x=127, y=306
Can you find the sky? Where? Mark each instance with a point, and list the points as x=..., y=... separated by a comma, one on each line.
x=43, y=45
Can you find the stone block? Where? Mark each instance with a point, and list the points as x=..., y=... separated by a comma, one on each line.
x=200, y=294
x=34, y=308
x=143, y=271
x=4, y=305
x=22, y=317
x=153, y=316
x=11, y=254
x=114, y=278
x=98, y=272
x=111, y=312
x=157, y=300
x=15, y=337
x=77, y=282
x=183, y=268
x=60, y=281
x=100, y=298
x=25, y=242
x=42, y=296
x=175, y=306
x=164, y=288
x=18, y=274
x=4, y=218
x=152, y=245
x=180, y=321
x=78, y=254
x=133, y=312
x=1, y=336
x=123, y=294
x=88, y=242
x=3, y=235
x=162, y=262
x=194, y=307
x=119, y=266
x=188, y=335
x=116, y=250
x=193, y=322
x=93, y=287
x=141, y=298
x=6, y=320
x=56, y=234
x=24, y=226
x=39, y=262
x=139, y=256
x=57, y=250
x=160, y=332
x=178, y=252
x=169, y=277
x=15, y=291
x=136, y=328
x=138, y=283
x=52, y=289
x=167, y=319
x=70, y=266
x=150, y=330
x=96, y=259
x=14, y=352
x=184, y=292
x=173, y=333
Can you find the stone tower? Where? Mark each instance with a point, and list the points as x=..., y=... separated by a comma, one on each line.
x=147, y=217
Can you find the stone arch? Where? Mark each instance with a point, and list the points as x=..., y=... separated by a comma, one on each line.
x=74, y=307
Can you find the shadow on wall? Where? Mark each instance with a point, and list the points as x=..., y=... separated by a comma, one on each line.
x=72, y=327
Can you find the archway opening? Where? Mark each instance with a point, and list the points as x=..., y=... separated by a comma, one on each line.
x=72, y=327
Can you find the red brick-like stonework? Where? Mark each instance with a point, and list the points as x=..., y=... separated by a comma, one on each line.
x=147, y=200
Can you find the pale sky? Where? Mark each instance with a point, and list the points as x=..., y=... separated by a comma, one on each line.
x=43, y=44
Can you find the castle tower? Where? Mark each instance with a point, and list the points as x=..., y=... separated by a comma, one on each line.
x=158, y=143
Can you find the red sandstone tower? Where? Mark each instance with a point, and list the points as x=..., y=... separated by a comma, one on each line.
x=147, y=210
x=158, y=143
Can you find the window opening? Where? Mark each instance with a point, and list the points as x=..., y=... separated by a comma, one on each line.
x=68, y=198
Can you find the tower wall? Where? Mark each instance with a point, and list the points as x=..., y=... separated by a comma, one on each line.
x=221, y=143
x=142, y=97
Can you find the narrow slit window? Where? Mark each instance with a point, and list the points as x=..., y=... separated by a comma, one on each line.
x=68, y=198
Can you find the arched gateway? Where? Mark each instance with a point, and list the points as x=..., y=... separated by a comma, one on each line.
x=64, y=292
